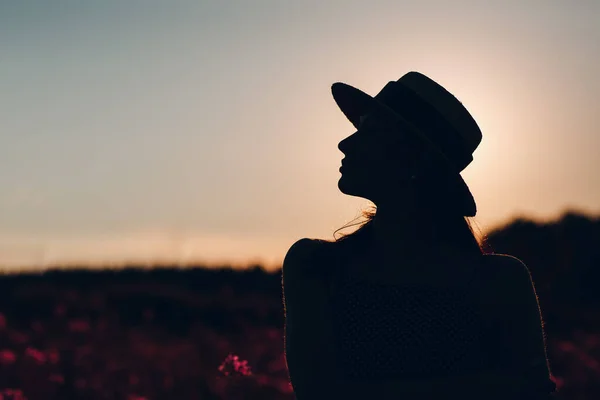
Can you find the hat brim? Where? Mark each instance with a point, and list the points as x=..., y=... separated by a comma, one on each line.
x=355, y=103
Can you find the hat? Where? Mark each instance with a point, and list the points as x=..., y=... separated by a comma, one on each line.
x=432, y=113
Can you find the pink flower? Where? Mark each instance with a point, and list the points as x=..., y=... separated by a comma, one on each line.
x=37, y=355
x=7, y=357
x=56, y=378
x=18, y=337
x=12, y=394
x=566, y=346
x=274, y=333
x=53, y=356
x=79, y=325
x=263, y=380
x=233, y=366
x=560, y=382
x=133, y=379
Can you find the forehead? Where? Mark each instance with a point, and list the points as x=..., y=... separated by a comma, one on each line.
x=376, y=117
x=382, y=124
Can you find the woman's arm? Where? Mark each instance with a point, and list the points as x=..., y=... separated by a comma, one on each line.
x=308, y=339
x=515, y=307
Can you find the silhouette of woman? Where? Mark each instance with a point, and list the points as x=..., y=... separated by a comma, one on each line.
x=409, y=306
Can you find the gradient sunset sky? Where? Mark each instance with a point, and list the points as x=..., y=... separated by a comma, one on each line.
x=205, y=130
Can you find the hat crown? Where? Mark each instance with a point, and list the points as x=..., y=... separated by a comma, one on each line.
x=447, y=105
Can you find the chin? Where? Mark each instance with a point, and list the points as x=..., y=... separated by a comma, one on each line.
x=350, y=188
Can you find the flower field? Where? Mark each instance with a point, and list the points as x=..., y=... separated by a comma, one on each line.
x=139, y=334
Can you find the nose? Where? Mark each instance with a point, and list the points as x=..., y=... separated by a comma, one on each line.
x=345, y=144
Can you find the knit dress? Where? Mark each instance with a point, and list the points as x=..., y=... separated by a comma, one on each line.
x=388, y=331
x=368, y=331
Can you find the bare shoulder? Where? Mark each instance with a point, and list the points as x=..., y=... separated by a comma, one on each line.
x=505, y=265
x=507, y=272
x=302, y=249
x=301, y=254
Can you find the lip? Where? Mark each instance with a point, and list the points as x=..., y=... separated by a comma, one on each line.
x=345, y=167
x=346, y=164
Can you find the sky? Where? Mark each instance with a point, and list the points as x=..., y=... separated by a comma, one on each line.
x=182, y=131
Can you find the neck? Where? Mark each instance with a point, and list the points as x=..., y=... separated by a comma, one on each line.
x=407, y=229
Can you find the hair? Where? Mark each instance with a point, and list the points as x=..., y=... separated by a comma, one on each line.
x=451, y=228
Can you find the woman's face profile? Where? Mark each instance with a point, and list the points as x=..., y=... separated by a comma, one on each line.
x=378, y=158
